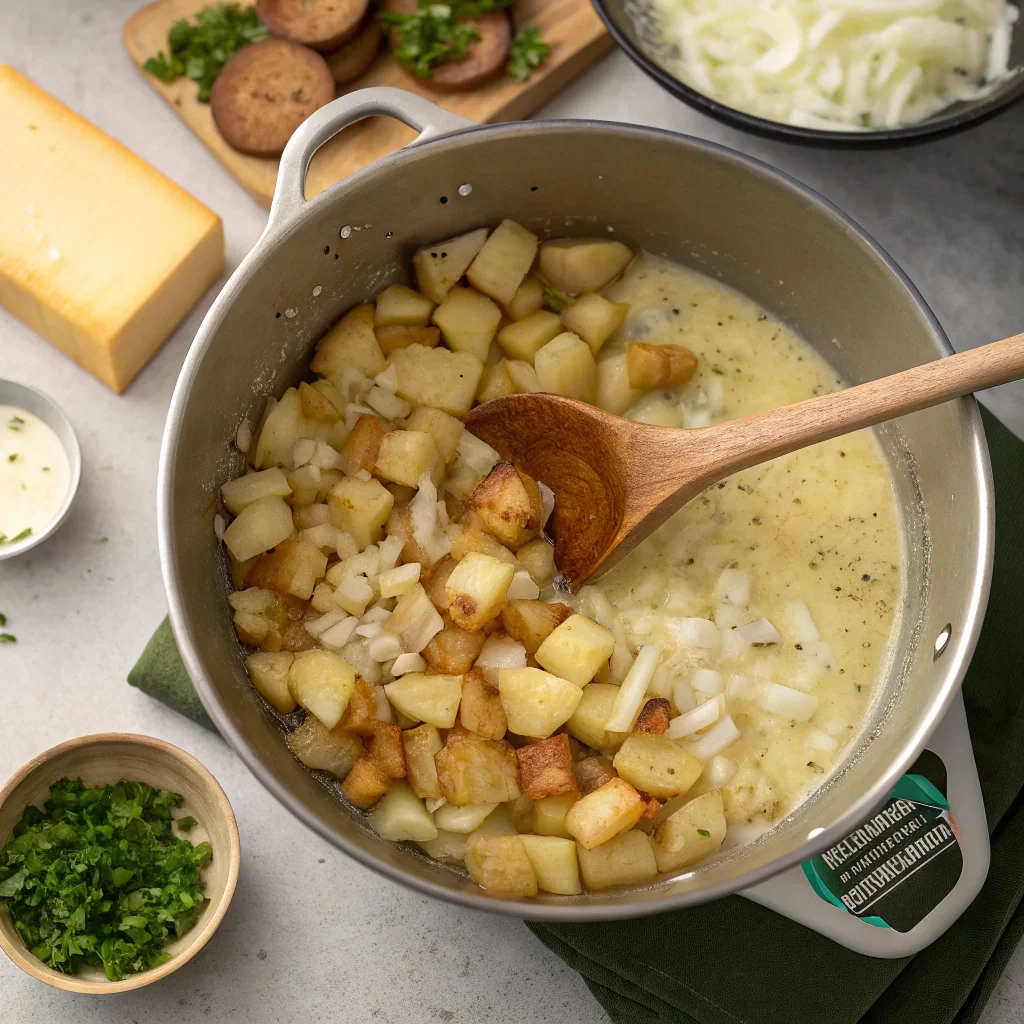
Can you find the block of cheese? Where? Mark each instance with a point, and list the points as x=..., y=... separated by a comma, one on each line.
x=99, y=252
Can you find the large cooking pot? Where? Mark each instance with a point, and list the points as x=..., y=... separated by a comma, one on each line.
x=723, y=214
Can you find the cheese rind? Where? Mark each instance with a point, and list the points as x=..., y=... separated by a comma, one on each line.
x=99, y=252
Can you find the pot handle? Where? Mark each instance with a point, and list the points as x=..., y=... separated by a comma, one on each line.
x=430, y=120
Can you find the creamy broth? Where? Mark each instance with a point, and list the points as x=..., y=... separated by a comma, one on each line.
x=818, y=526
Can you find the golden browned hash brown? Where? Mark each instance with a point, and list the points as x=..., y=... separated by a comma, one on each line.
x=654, y=716
x=546, y=768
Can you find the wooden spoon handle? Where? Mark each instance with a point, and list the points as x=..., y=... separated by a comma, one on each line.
x=738, y=444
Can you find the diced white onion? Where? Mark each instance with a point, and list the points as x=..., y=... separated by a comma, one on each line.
x=302, y=452
x=707, y=681
x=442, y=514
x=467, y=818
x=476, y=454
x=243, y=436
x=728, y=615
x=387, y=403
x=375, y=614
x=786, y=702
x=692, y=633
x=620, y=662
x=364, y=475
x=384, y=712
x=346, y=545
x=800, y=627
x=500, y=652
x=219, y=527
x=327, y=457
x=760, y=633
x=547, y=498
x=356, y=654
x=432, y=803
x=733, y=587
x=369, y=630
x=683, y=696
x=633, y=689
x=388, y=379
x=836, y=727
x=353, y=411
x=390, y=549
x=384, y=646
x=720, y=771
x=340, y=633
x=818, y=739
x=307, y=476
x=739, y=688
x=522, y=587
x=408, y=663
x=323, y=536
x=415, y=620
x=425, y=528
x=314, y=627
x=720, y=736
x=397, y=581
x=699, y=718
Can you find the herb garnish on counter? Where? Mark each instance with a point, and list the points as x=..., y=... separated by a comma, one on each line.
x=201, y=50
x=528, y=50
x=100, y=878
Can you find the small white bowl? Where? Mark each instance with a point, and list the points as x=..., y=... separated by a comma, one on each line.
x=35, y=402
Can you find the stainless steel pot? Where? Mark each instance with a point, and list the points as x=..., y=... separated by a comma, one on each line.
x=706, y=207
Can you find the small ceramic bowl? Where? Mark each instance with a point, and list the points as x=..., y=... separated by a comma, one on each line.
x=108, y=758
x=35, y=402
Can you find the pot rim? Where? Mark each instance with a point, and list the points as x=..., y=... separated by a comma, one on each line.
x=956, y=656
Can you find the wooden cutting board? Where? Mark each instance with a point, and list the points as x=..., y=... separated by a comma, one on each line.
x=572, y=29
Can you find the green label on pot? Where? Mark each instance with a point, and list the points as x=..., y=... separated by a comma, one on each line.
x=902, y=862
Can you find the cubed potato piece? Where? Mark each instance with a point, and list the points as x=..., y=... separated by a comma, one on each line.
x=549, y=815
x=239, y=494
x=399, y=304
x=420, y=745
x=654, y=717
x=464, y=819
x=399, y=524
x=522, y=814
x=453, y=650
x=259, y=527
x=427, y=698
x=577, y=265
x=614, y=394
x=536, y=703
x=318, y=406
x=473, y=770
x=555, y=864
x=322, y=683
x=468, y=322
x=360, y=714
x=269, y=674
x=692, y=833
x=500, y=865
x=657, y=765
x=576, y=649
x=437, y=378
x=283, y=426
x=546, y=769
x=749, y=794
x=415, y=620
x=587, y=722
x=498, y=823
x=434, y=581
x=510, y=505
x=326, y=750
x=496, y=382
x=532, y=622
x=476, y=589
x=604, y=813
x=310, y=516
x=565, y=366
x=529, y=297
x=474, y=539
x=448, y=847
x=362, y=446
x=503, y=261
x=444, y=428
x=405, y=455
x=400, y=815
x=251, y=628
x=594, y=319
x=659, y=366
x=523, y=339
x=401, y=336
x=293, y=567
x=386, y=750
x=593, y=772
x=537, y=557
x=361, y=508
x=626, y=859
x=365, y=784
x=481, y=711
x=440, y=266
x=349, y=344
x=522, y=375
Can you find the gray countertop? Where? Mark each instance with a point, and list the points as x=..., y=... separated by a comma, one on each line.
x=312, y=935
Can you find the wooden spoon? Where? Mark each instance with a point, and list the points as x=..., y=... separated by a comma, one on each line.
x=616, y=481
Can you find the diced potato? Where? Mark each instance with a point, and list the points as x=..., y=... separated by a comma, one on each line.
x=555, y=864
x=587, y=722
x=448, y=847
x=437, y=378
x=440, y=266
x=241, y=493
x=594, y=318
x=654, y=716
x=269, y=674
x=293, y=567
x=577, y=265
x=330, y=392
x=536, y=703
x=468, y=322
x=510, y=505
x=283, y=426
x=549, y=815
x=565, y=366
x=399, y=304
x=748, y=794
x=496, y=382
x=576, y=649
x=475, y=539
x=326, y=750
x=405, y=455
x=361, y=508
x=349, y=344
x=522, y=814
x=415, y=620
x=614, y=394
x=401, y=815
x=545, y=768
x=427, y=698
x=362, y=446
x=259, y=527
x=453, y=650
x=295, y=638
x=464, y=819
x=365, y=784
x=528, y=298
x=252, y=629
x=386, y=749
x=523, y=339
x=498, y=823
x=472, y=770
x=659, y=366
x=537, y=557
x=435, y=579
x=317, y=406
x=503, y=261
x=657, y=765
x=593, y=772
x=322, y=683
x=444, y=428
x=692, y=833
x=532, y=622
x=500, y=864
x=522, y=375
x=476, y=589
x=420, y=745
x=627, y=859
x=402, y=336
x=255, y=599
x=481, y=711
x=360, y=714
x=604, y=813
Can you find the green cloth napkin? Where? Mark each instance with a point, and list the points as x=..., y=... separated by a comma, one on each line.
x=734, y=962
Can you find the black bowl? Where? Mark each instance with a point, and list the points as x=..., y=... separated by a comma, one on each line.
x=628, y=24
